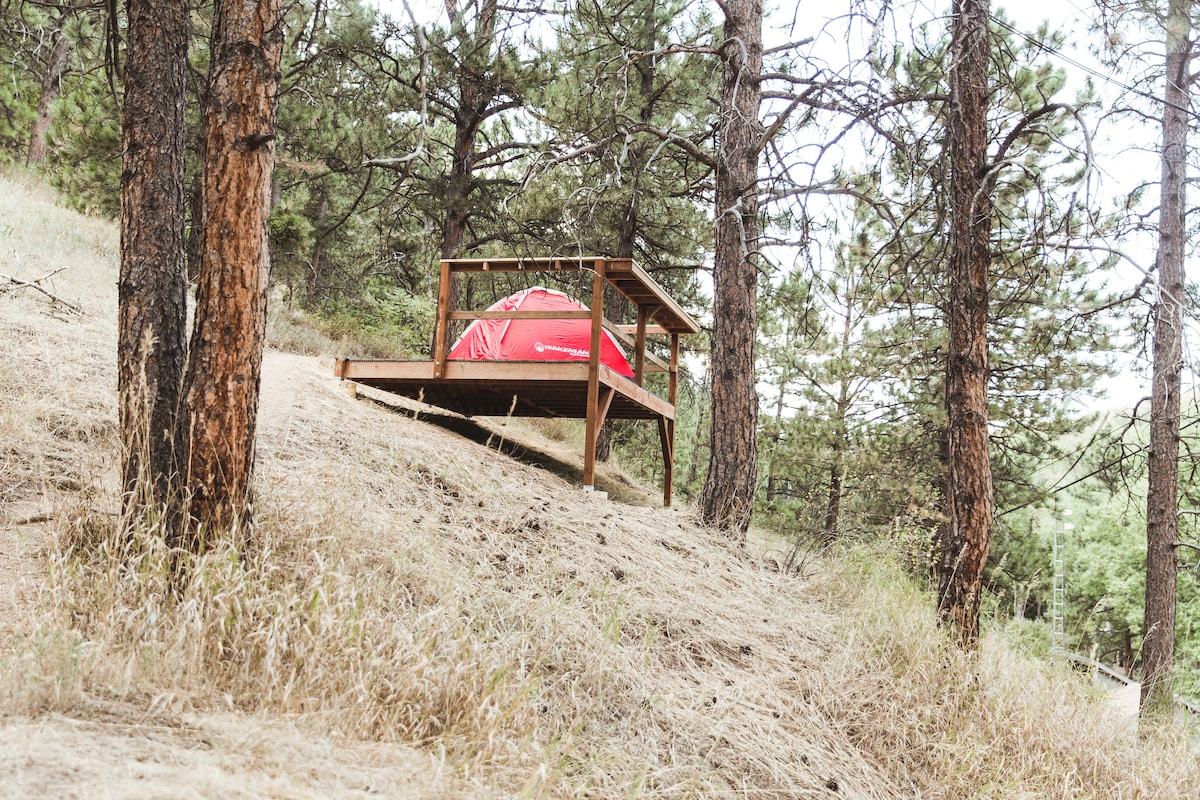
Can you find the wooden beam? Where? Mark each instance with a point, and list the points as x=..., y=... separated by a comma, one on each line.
x=606, y=397
x=522, y=264
x=670, y=314
x=459, y=315
x=657, y=364
x=651, y=330
x=673, y=388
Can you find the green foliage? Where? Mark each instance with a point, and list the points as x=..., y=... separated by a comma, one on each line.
x=1105, y=556
x=85, y=148
x=827, y=352
x=385, y=321
x=18, y=103
x=618, y=189
x=860, y=341
x=332, y=230
x=23, y=27
x=1020, y=574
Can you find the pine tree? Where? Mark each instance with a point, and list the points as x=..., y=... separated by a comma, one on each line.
x=728, y=497
x=225, y=355
x=1162, y=493
x=55, y=63
x=1043, y=327
x=152, y=316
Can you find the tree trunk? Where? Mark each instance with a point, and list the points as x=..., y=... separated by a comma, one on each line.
x=841, y=437
x=475, y=94
x=1162, y=505
x=152, y=288
x=51, y=88
x=628, y=228
x=728, y=497
x=833, y=502
x=231, y=297
x=312, y=285
x=967, y=536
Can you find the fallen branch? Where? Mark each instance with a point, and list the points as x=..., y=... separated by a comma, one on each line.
x=36, y=284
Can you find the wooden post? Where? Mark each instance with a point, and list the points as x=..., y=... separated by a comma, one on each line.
x=593, y=390
x=666, y=436
x=673, y=377
x=441, y=331
x=666, y=429
x=639, y=354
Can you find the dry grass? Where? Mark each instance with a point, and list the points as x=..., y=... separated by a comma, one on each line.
x=41, y=441
x=993, y=725
x=422, y=616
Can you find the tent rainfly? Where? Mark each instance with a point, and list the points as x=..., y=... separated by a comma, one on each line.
x=537, y=339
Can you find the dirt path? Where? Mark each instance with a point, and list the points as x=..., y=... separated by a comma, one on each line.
x=124, y=755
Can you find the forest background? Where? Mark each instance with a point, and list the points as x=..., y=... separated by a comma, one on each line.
x=492, y=130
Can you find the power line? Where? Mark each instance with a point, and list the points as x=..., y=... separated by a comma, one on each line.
x=1090, y=70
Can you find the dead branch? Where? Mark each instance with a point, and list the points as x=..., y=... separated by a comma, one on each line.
x=36, y=284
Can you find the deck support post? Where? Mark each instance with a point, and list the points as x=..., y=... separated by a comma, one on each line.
x=666, y=427
x=673, y=377
x=441, y=330
x=666, y=436
x=593, y=387
x=639, y=348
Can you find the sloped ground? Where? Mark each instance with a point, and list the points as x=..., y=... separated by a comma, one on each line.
x=423, y=616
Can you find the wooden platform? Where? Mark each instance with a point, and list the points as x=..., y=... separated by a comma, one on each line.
x=507, y=388
x=586, y=390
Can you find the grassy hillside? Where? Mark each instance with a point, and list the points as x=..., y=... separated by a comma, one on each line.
x=423, y=616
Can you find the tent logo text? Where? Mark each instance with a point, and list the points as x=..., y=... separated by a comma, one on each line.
x=571, y=351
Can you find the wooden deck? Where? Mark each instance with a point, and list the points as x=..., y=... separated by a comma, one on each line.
x=587, y=390
x=507, y=388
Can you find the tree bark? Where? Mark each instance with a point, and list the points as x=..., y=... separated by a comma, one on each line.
x=475, y=94
x=728, y=497
x=231, y=298
x=833, y=500
x=476, y=91
x=56, y=67
x=967, y=536
x=151, y=289
x=1162, y=504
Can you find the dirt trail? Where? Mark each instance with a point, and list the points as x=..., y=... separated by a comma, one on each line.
x=127, y=755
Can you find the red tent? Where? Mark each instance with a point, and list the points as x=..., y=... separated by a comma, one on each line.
x=537, y=339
